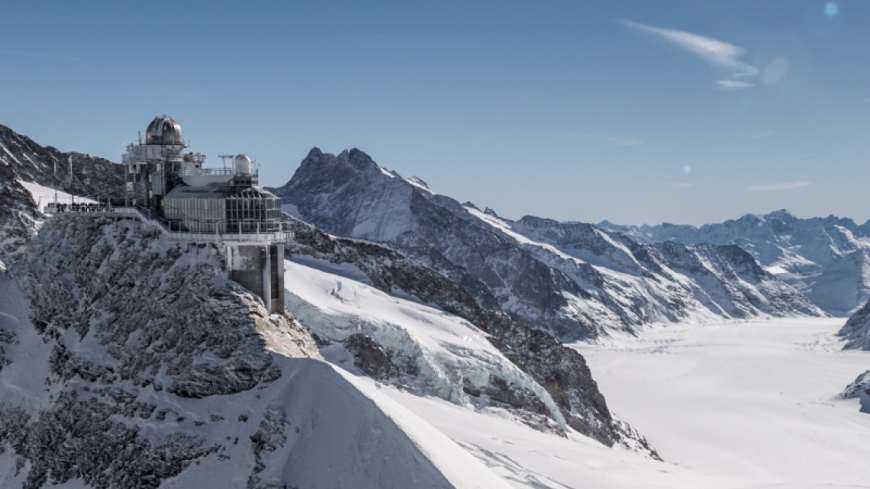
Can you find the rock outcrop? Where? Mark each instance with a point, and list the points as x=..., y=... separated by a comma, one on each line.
x=856, y=331
x=859, y=389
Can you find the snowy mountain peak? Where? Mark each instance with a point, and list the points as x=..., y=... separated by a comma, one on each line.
x=781, y=214
x=573, y=279
x=419, y=182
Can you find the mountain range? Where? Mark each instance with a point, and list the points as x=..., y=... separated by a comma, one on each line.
x=129, y=360
x=826, y=258
x=575, y=280
x=121, y=325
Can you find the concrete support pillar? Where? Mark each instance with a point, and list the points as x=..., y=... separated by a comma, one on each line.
x=260, y=269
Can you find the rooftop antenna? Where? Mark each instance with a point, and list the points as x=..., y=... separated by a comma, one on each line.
x=55, y=182
x=72, y=196
x=225, y=158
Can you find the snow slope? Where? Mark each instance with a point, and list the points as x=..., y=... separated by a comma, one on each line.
x=746, y=405
x=450, y=356
x=340, y=432
x=42, y=195
x=759, y=400
x=530, y=459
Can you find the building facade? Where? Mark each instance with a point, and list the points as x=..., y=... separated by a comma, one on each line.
x=171, y=185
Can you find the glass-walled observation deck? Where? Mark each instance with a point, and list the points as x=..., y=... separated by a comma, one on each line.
x=222, y=209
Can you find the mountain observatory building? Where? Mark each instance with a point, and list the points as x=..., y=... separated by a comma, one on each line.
x=168, y=183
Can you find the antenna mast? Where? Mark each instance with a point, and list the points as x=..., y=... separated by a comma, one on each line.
x=72, y=196
x=55, y=182
x=225, y=158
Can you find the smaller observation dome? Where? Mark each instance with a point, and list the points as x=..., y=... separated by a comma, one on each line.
x=164, y=131
x=242, y=165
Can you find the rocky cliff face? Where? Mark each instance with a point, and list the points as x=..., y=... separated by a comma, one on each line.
x=109, y=335
x=856, y=331
x=561, y=371
x=21, y=161
x=824, y=257
x=575, y=280
x=92, y=177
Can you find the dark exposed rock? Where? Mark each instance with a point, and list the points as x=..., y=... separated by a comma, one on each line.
x=856, y=331
x=131, y=322
x=269, y=437
x=859, y=389
x=78, y=438
x=370, y=357
x=127, y=259
x=6, y=338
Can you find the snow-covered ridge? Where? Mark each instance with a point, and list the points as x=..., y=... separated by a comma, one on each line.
x=574, y=279
x=827, y=258
x=715, y=281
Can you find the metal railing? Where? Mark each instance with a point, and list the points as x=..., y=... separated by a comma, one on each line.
x=263, y=232
x=185, y=172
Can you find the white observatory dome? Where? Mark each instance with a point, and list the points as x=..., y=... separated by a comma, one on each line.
x=242, y=164
x=163, y=131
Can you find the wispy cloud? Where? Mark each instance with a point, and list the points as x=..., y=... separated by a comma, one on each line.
x=777, y=187
x=720, y=54
x=625, y=142
x=734, y=84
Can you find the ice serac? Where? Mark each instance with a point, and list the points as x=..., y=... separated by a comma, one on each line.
x=128, y=360
x=572, y=279
x=369, y=302
x=826, y=258
x=856, y=331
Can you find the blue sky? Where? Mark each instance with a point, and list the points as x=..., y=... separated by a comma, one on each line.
x=679, y=111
